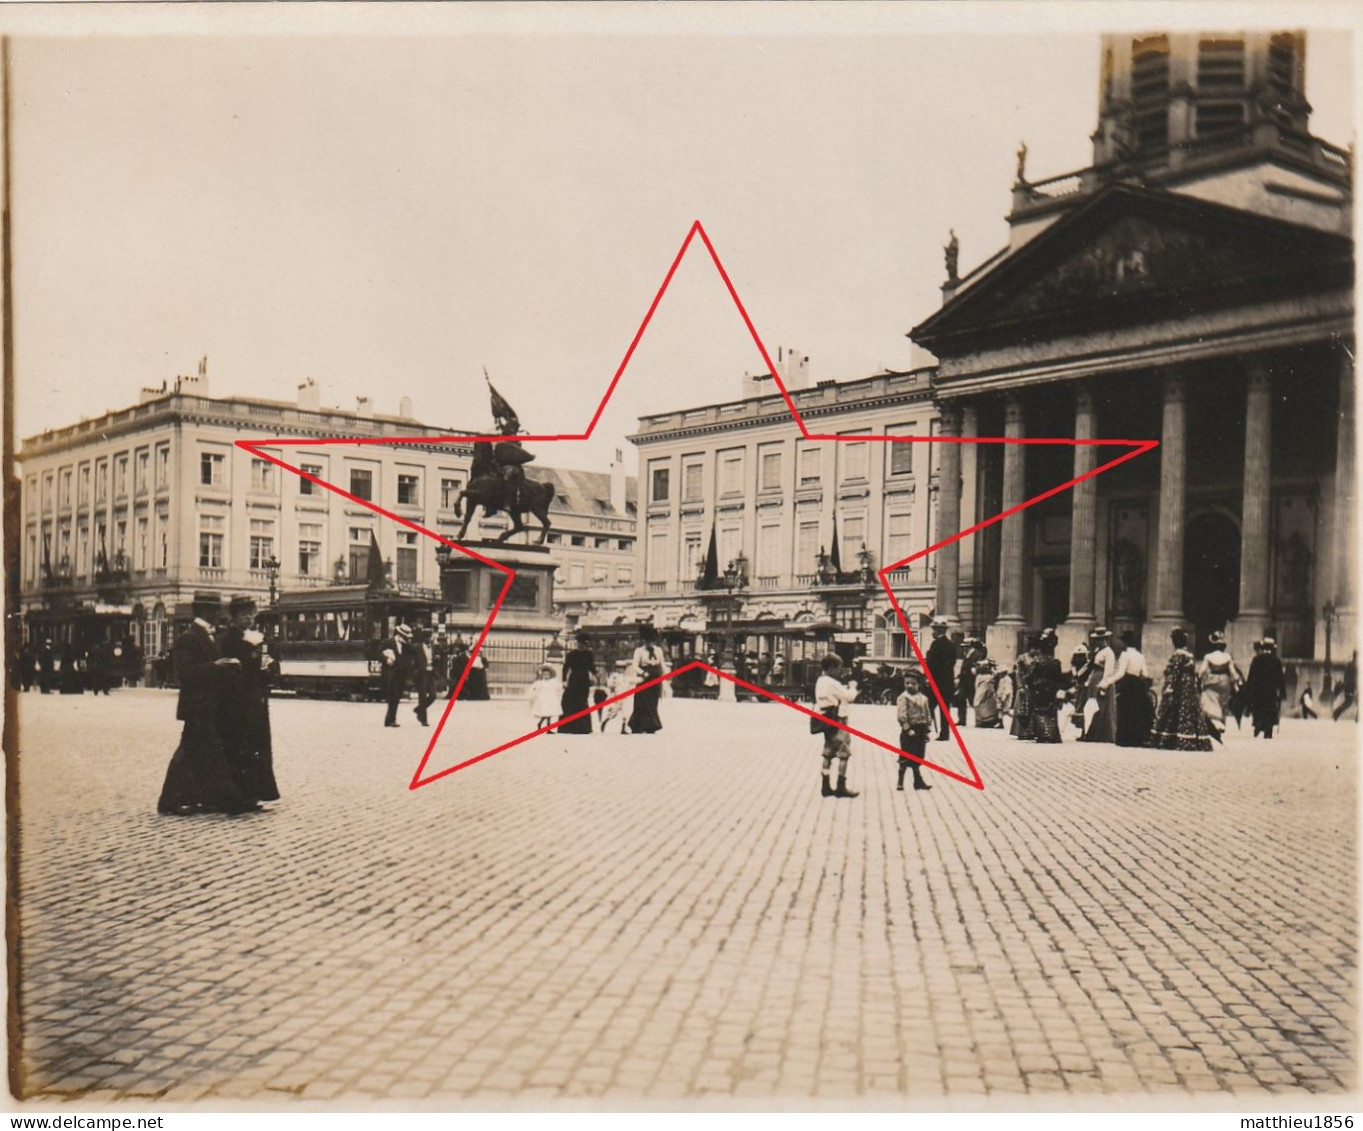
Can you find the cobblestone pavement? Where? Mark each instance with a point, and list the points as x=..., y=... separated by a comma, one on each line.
x=681, y=915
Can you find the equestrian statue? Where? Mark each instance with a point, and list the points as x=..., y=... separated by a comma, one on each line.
x=497, y=480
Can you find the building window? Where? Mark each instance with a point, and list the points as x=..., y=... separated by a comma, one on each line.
x=853, y=532
x=211, y=469
x=693, y=482
x=82, y=550
x=31, y=496
x=143, y=549
x=409, y=491
x=693, y=557
x=771, y=469
x=64, y=499
x=406, y=562
x=449, y=493
x=362, y=483
x=577, y=575
x=658, y=556
x=32, y=560
x=162, y=540
x=624, y=575
x=48, y=488
x=310, y=549
x=262, y=475
x=901, y=451
x=731, y=472
x=1221, y=65
x=855, y=461
x=807, y=546
x=555, y=538
x=163, y=465
x=211, y=528
x=624, y=544
x=101, y=481
x=659, y=485
x=121, y=537
x=262, y=542
x=359, y=549
x=578, y=540
x=601, y=543
x=898, y=536
x=768, y=550
x=1282, y=66
x=811, y=469
x=729, y=541
x=1149, y=86
x=1219, y=117
x=600, y=573
x=83, y=490
x=307, y=486
x=142, y=471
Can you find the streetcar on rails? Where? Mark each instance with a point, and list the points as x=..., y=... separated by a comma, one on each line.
x=327, y=641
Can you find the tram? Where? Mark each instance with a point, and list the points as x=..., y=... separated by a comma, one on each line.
x=326, y=641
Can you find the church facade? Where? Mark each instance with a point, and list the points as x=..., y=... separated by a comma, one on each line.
x=1195, y=285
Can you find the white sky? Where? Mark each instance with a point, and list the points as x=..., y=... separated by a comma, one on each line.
x=389, y=213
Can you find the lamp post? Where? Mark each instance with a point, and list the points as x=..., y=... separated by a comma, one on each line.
x=735, y=578
x=271, y=565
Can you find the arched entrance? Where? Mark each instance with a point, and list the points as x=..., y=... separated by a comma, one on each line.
x=1211, y=574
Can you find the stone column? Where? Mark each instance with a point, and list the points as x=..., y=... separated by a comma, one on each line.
x=1345, y=529
x=1168, y=603
x=1001, y=637
x=949, y=516
x=1083, y=526
x=970, y=493
x=1254, y=507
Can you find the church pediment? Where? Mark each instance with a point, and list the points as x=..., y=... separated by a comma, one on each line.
x=1129, y=256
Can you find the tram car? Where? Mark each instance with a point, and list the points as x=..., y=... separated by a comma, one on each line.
x=327, y=641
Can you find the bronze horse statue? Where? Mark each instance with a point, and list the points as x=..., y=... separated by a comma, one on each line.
x=490, y=489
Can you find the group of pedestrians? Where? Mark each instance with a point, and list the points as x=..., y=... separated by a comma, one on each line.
x=412, y=660
x=581, y=687
x=71, y=669
x=224, y=763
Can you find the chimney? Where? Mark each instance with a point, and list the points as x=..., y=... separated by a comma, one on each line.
x=795, y=372
x=309, y=396
x=405, y=408
x=151, y=393
x=364, y=406
x=196, y=386
x=618, y=482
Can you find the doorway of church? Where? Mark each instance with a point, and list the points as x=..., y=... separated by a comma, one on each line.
x=1211, y=575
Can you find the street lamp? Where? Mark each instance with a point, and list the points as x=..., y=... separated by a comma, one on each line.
x=735, y=578
x=271, y=565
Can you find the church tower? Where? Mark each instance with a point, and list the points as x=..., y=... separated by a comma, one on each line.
x=1215, y=115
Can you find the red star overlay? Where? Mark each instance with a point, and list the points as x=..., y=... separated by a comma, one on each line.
x=425, y=776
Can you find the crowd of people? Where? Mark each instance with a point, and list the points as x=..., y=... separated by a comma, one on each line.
x=224, y=763
x=72, y=669
x=1106, y=694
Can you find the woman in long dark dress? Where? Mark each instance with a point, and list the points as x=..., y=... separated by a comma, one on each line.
x=202, y=776
x=1046, y=680
x=1022, y=689
x=1131, y=681
x=579, y=670
x=1266, y=688
x=1179, y=722
x=649, y=662
x=244, y=709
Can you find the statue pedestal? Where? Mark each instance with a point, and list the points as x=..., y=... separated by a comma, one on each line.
x=519, y=640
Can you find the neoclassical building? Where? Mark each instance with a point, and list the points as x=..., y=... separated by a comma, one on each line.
x=1194, y=285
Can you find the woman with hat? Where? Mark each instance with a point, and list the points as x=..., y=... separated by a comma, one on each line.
x=1220, y=679
x=650, y=662
x=244, y=703
x=1179, y=722
x=941, y=664
x=1131, y=685
x=1046, y=686
x=1022, y=689
x=1100, y=723
x=579, y=674
x=1266, y=688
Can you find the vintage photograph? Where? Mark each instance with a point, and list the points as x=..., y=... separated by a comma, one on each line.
x=779, y=557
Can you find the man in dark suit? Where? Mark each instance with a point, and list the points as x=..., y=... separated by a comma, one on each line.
x=941, y=660
x=399, y=668
x=423, y=675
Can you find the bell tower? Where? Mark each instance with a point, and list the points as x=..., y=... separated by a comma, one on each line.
x=1161, y=95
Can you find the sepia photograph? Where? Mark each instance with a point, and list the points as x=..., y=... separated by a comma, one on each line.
x=620, y=557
